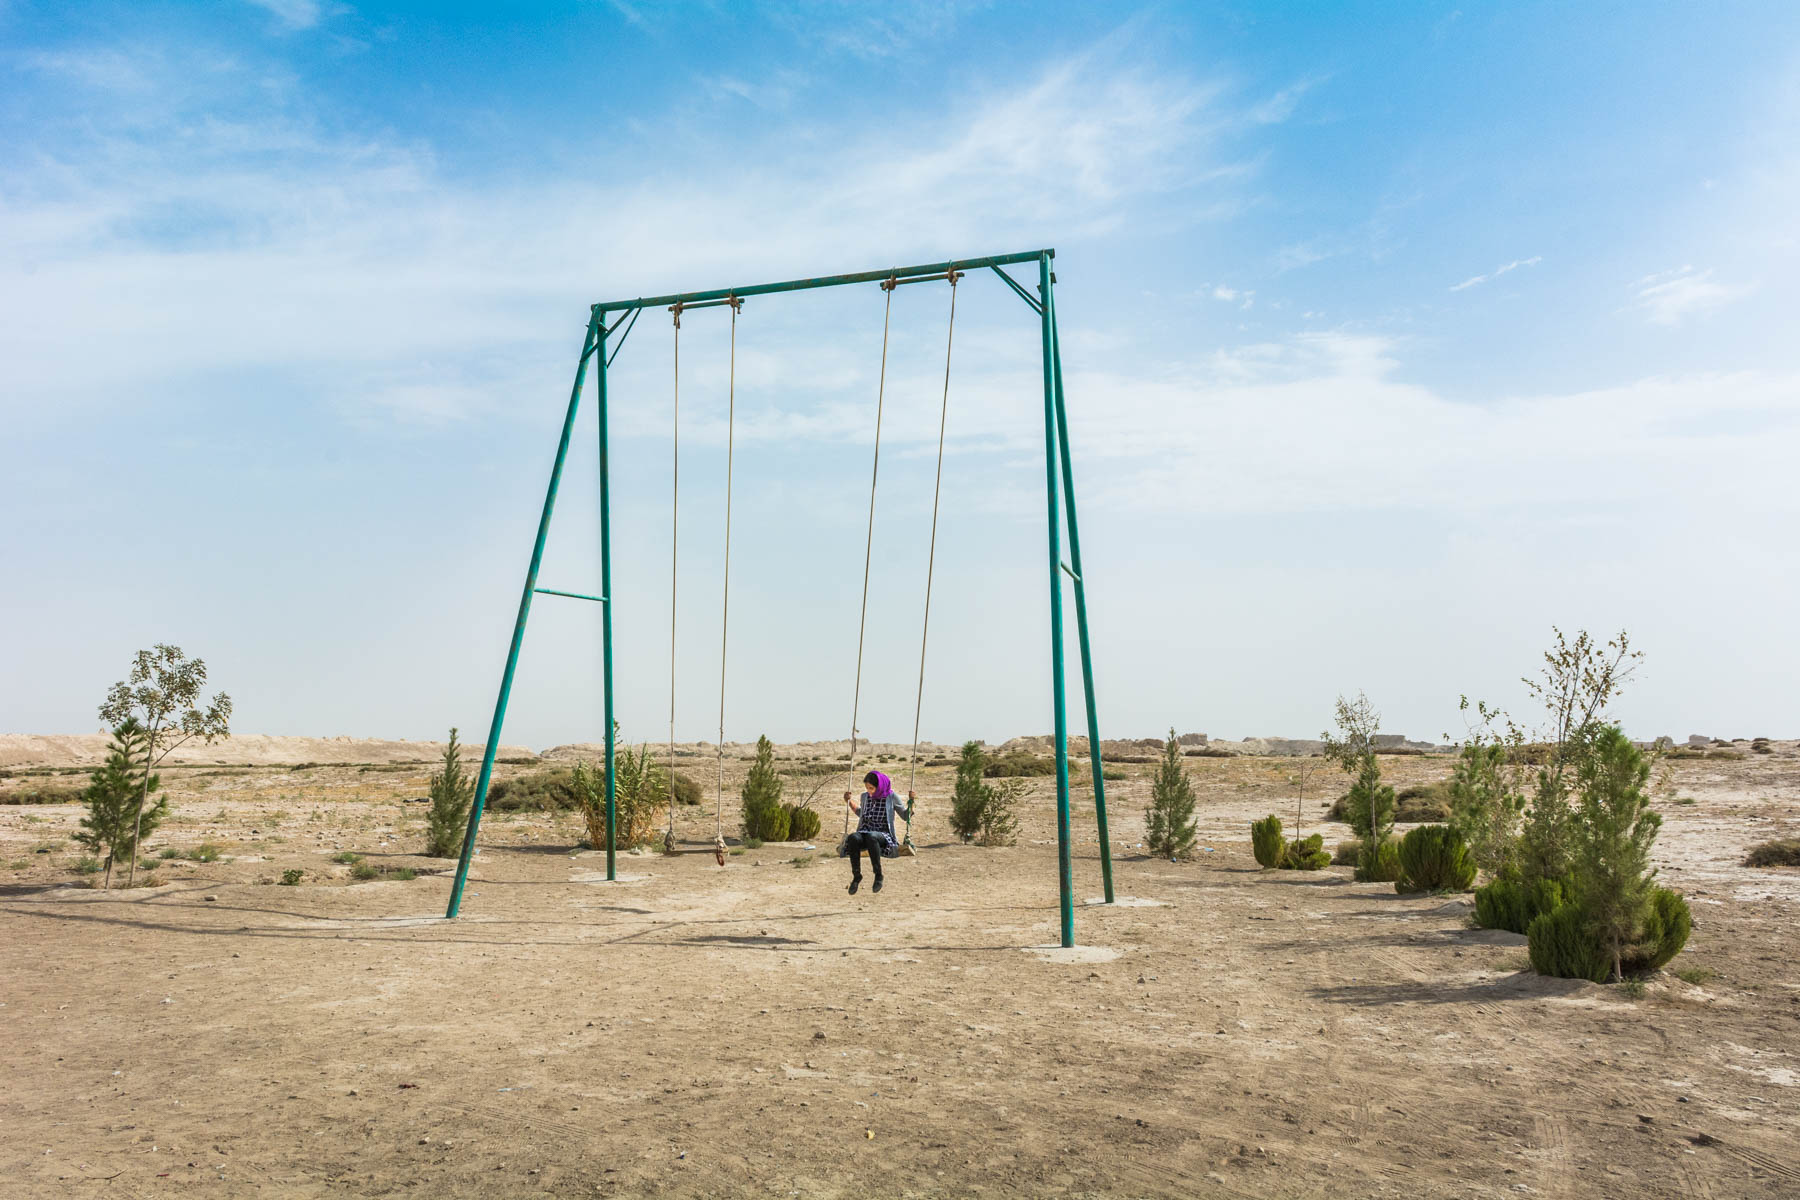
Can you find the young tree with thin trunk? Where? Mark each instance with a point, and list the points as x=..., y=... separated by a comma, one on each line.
x=162, y=693
x=1169, y=826
x=452, y=793
x=112, y=825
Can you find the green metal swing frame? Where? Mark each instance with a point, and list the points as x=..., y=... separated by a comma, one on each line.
x=1060, y=496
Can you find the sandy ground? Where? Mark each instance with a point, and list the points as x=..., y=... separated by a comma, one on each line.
x=752, y=1030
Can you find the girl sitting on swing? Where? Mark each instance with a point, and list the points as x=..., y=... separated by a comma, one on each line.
x=874, y=827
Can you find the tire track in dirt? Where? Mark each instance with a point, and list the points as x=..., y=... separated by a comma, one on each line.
x=1550, y=1138
x=1783, y=1171
x=1694, y=1185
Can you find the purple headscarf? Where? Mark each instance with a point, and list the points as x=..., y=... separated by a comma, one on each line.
x=884, y=787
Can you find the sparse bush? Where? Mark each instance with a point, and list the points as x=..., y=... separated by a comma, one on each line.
x=1485, y=803
x=1513, y=903
x=1306, y=854
x=451, y=795
x=1560, y=945
x=1019, y=764
x=1783, y=852
x=803, y=823
x=1169, y=826
x=1345, y=854
x=88, y=865
x=1111, y=774
x=764, y=815
x=1380, y=865
x=207, y=852
x=1422, y=802
x=751, y=843
x=641, y=792
x=552, y=790
x=999, y=818
x=365, y=871
x=1434, y=858
x=1266, y=842
x=292, y=876
x=41, y=793
x=348, y=858
x=1696, y=975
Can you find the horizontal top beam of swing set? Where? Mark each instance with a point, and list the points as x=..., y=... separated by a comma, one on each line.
x=823, y=281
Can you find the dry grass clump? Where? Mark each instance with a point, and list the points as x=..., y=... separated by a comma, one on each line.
x=1782, y=852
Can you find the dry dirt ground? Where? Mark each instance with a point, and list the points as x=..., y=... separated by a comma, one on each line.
x=694, y=1030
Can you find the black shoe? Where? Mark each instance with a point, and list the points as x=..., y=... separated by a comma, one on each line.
x=856, y=882
x=877, y=886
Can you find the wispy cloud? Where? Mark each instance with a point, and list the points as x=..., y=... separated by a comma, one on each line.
x=1670, y=297
x=1477, y=280
x=293, y=14
x=217, y=225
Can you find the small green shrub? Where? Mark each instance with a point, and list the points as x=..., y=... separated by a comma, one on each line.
x=1266, y=842
x=1111, y=774
x=88, y=865
x=1665, y=932
x=1434, y=858
x=207, y=852
x=1696, y=975
x=1513, y=904
x=803, y=823
x=1634, y=988
x=751, y=843
x=292, y=876
x=802, y=860
x=348, y=858
x=1783, y=852
x=1561, y=946
x=1346, y=854
x=364, y=872
x=1306, y=854
x=1383, y=866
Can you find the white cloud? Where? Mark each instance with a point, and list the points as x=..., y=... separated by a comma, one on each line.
x=293, y=14
x=1477, y=280
x=220, y=228
x=1671, y=297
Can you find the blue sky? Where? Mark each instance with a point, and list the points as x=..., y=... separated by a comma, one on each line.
x=1395, y=334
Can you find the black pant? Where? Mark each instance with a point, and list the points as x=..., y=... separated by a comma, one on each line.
x=858, y=842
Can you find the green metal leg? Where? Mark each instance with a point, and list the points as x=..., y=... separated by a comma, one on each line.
x=606, y=652
x=1065, y=872
x=518, y=637
x=1081, y=621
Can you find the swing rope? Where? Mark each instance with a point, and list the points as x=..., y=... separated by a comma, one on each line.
x=725, y=603
x=887, y=285
x=674, y=531
x=937, y=488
